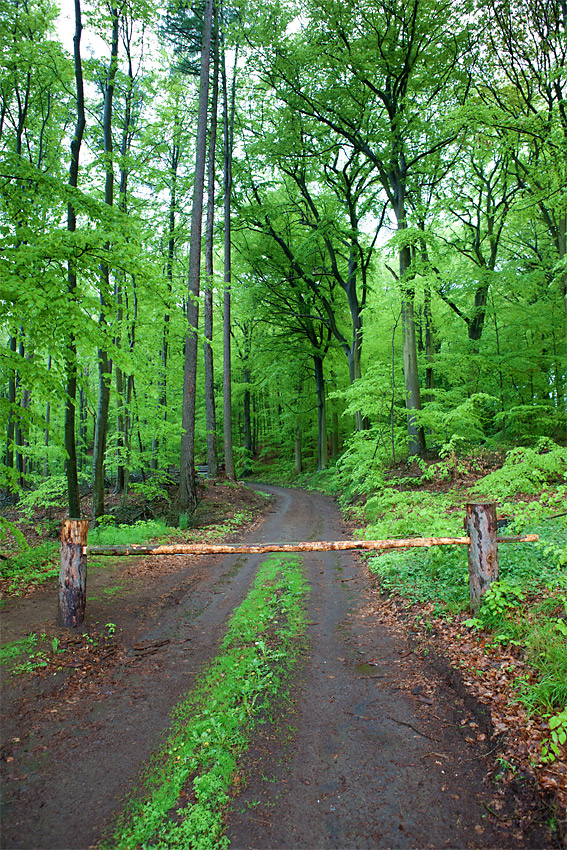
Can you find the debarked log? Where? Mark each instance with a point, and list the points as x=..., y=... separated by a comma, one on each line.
x=310, y=546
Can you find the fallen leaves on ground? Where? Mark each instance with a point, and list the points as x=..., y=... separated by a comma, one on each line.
x=489, y=673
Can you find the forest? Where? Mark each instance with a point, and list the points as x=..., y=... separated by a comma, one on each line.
x=286, y=232
x=312, y=243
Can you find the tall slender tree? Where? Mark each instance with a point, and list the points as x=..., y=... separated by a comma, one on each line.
x=210, y=406
x=187, y=483
x=71, y=348
x=104, y=361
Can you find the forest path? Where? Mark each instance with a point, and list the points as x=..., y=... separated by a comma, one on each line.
x=370, y=752
x=375, y=750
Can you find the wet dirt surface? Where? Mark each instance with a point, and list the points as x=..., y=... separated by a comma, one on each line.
x=374, y=749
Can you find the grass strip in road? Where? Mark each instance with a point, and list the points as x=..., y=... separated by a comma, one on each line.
x=186, y=788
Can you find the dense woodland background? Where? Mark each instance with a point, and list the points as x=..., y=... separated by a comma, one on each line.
x=296, y=231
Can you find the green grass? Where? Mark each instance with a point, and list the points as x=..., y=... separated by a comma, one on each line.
x=507, y=614
x=139, y=532
x=186, y=787
x=32, y=565
x=13, y=650
x=29, y=653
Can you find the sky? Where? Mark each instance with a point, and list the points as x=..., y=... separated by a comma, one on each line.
x=65, y=25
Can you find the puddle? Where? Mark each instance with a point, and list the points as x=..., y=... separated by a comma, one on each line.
x=365, y=669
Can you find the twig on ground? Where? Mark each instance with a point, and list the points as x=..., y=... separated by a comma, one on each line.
x=403, y=723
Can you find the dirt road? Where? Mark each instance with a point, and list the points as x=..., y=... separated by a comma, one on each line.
x=373, y=749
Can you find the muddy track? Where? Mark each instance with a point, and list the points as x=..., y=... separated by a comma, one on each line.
x=370, y=751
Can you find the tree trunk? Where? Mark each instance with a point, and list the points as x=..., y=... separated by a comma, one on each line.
x=72, y=584
x=119, y=383
x=10, y=431
x=211, y=419
x=322, y=458
x=188, y=483
x=99, y=448
x=18, y=430
x=416, y=436
x=83, y=423
x=297, y=449
x=481, y=525
x=429, y=337
x=104, y=362
x=157, y=442
x=335, y=436
x=247, y=416
x=228, y=132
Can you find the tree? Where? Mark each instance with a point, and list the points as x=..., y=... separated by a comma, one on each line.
x=104, y=361
x=228, y=139
x=212, y=455
x=528, y=86
x=393, y=60
x=71, y=350
x=188, y=485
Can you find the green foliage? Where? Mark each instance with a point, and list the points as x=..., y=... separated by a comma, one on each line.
x=34, y=565
x=11, y=650
x=500, y=598
x=411, y=514
x=212, y=726
x=458, y=424
x=361, y=467
x=7, y=526
x=39, y=657
x=526, y=470
x=143, y=531
x=554, y=747
x=155, y=487
x=437, y=573
x=49, y=493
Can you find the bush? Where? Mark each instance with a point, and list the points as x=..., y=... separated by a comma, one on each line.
x=33, y=565
x=526, y=470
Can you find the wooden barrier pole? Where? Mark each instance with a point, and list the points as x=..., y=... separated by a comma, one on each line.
x=481, y=525
x=72, y=585
x=263, y=548
x=310, y=546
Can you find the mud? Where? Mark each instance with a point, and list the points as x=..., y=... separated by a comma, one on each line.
x=372, y=748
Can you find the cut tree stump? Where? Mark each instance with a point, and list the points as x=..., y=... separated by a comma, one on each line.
x=72, y=585
x=482, y=525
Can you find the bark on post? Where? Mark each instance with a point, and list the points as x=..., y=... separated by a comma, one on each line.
x=481, y=526
x=72, y=584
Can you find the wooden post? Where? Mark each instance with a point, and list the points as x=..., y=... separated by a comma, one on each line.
x=481, y=526
x=72, y=584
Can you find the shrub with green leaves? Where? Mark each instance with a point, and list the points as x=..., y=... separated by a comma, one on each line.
x=49, y=493
x=554, y=747
x=143, y=531
x=11, y=527
x=411, y=513
x=437, y=574
x=459, y=423
x=33, y=565
x=526, y=470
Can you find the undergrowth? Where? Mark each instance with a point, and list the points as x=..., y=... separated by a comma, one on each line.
x=32, y=565
x=143, y=531
x=186, y=788
x=527, y=607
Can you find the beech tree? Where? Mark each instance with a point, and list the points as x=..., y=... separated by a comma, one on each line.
x=188, y=486
x=71, y=350
x=393, y=60
x=392, y=184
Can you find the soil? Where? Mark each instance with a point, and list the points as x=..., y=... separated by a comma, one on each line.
x=375, y=746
